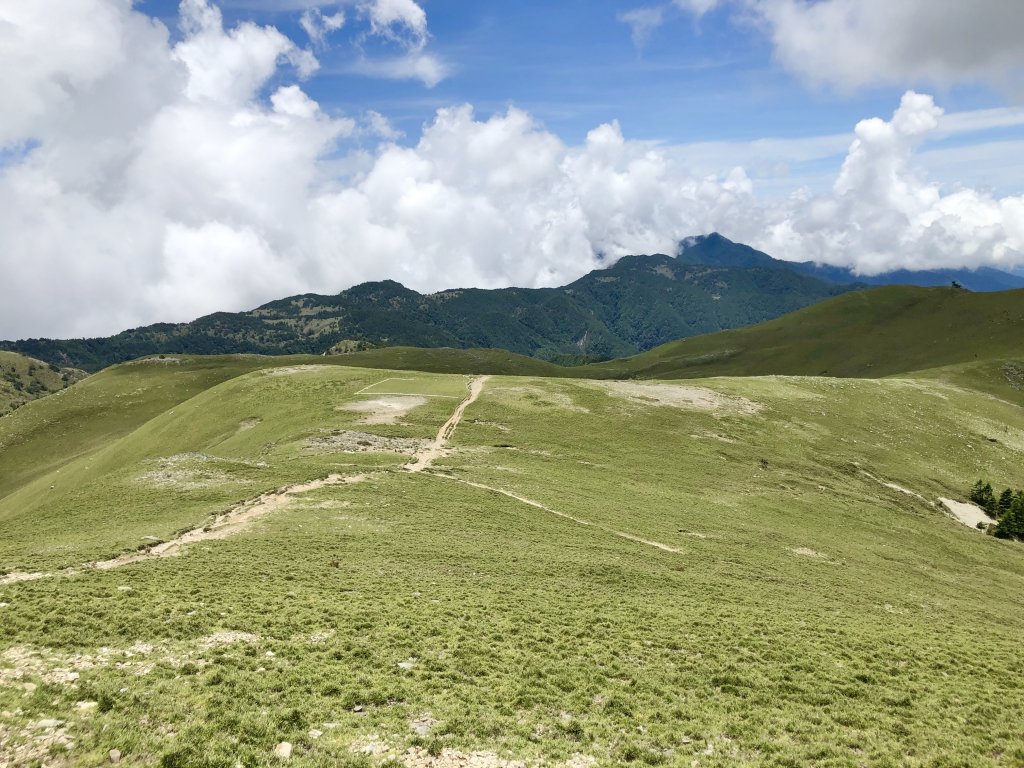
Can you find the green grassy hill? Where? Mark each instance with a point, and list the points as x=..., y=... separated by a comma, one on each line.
x=871, y=333
x=23, y=379
x=734, y=571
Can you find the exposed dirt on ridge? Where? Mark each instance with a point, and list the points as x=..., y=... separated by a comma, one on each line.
x=227, y=524
x=679, y=396
x=968, y=514
x=384, y=410
x=426, y=457
x=347, y=441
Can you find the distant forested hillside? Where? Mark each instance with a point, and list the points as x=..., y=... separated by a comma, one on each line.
x=634, y=305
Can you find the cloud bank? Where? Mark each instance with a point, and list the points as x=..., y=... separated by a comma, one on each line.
x=855, y=43
x=146, y=180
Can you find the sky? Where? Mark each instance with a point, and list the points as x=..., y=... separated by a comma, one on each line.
x=163, y=160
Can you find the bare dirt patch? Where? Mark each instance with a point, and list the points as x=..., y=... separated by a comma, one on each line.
x=680, y=396
x=808, y=552
x=346, y=441
x=968, y=514
x=384, y=410
x=290, y=370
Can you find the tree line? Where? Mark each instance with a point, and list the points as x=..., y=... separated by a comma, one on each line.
x=1007, y=510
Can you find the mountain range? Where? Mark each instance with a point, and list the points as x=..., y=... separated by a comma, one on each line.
x=634, y=305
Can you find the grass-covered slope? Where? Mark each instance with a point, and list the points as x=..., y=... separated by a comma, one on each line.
x=733, y=572
x=23, y=379
x=877, y=332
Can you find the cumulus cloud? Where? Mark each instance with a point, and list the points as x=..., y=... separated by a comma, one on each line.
x=166, y=180
x=855, y=43
x=881, y=215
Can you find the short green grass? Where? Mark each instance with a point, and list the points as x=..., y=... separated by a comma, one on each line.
x=809, y=615
x=872, y=333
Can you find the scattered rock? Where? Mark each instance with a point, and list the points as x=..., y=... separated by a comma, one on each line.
x=422, y=725
x=315, y=733
x=49, y=723
x=347, y=441
x=115, y=755
x=283, y=750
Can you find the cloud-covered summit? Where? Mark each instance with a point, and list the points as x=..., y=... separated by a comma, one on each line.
x=148, y=178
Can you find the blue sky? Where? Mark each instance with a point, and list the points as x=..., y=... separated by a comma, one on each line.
x=573, y=65
x=173, y=159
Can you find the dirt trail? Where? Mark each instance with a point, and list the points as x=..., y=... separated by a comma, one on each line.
x=577, y=520
x=231, y=522
x=425, y=458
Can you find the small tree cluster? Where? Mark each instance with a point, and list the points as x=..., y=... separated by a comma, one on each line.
x=1007, y=509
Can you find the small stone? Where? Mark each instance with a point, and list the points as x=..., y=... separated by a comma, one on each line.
x=115, y=755
x=357, y=708
x=315, y=733
x=124, y=588
x=283, y=750
x=49, y=723
x=270, y=654
x=29, y=687
x=85, y=706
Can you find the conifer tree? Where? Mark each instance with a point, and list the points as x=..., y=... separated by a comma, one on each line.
x=984, y=497
x=1011, y=526
x=1005, y=501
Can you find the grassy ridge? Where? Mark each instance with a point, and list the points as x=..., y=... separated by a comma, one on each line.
x=801, y=609
x=871, y=333
x=23, y=379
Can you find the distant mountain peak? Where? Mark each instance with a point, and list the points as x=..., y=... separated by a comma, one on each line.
x=694, y=241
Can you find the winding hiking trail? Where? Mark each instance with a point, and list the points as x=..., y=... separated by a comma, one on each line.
x=564, y=515
x=241, y=515
x=226, y=524
x=425, y=458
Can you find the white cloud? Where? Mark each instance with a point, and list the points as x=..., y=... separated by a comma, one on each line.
x=318, y=26
x=425, y=67
x=882, y=215
x=231, y=67
x=643, y=22
x=164, y=182
x=403, y=21
x=852, y=43
x=856, y=43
